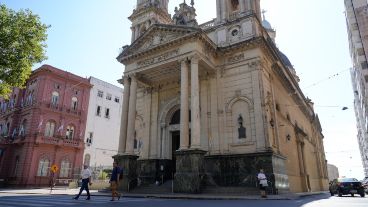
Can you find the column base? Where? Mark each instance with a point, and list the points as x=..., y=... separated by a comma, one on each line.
x=189, y=171
x=128, y=163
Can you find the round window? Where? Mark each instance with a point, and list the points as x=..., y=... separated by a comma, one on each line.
x=235, y=32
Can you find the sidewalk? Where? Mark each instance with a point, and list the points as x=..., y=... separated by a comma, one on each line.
x=72, y=192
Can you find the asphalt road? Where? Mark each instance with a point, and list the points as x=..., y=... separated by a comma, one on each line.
x=17, y=200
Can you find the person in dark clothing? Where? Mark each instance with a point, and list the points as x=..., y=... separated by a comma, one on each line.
x=114, y=181
x=86, y=179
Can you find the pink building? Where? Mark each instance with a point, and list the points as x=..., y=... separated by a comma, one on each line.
x=41, y=125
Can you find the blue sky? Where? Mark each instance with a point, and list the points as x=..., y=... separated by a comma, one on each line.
x=85, y=37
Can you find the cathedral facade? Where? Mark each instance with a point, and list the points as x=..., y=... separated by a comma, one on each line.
x=208, y=105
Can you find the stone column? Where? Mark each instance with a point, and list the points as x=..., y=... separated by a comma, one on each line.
x=224, y=9
x=242, y=6
x=184, y=106
x=133, y=34
x=248, y=5
x=136, y=32
x=258, y=9
x=131, y=116
x=196, y=121
x=219, y=10
x=124, y=116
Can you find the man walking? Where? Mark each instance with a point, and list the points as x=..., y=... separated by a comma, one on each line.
x=114, y=181
x=86, y=179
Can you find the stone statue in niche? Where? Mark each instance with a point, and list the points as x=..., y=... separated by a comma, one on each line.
x=179, y=18
x=242, y=131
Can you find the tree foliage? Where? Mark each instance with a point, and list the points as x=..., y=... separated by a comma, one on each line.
x=22, y=44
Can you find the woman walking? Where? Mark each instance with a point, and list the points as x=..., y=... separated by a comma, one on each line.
x=262, y=183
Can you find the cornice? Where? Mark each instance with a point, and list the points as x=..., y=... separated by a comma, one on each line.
x=47, y=69
x=193, y=33
x=288, y=81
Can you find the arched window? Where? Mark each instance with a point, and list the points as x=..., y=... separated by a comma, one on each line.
x=69, y=132
x=43, y=167
x=55, y=98
x=22, y=128
x=175, y=119
x=6, y=129
x=65, y=169
x=74, y=103
x=50, y=129
x=87, y=159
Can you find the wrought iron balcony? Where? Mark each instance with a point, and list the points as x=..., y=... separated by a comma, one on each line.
x=60, y=141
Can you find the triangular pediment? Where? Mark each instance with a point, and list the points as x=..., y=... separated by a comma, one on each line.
x=158, y=35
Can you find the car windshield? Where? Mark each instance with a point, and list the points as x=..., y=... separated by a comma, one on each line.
x=342, y=180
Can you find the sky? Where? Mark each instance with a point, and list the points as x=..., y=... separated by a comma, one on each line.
x=85, y=37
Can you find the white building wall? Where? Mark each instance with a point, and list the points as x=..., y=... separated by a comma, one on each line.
x=357, y=31
x=104, y=128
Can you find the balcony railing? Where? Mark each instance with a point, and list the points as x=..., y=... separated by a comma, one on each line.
x=207, y=25
x=60, y=141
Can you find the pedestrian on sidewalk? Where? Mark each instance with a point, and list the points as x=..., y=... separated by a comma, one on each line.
x=262, y=183
x=114, y=181
x=86, y=179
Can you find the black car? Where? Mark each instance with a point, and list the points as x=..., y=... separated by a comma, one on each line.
x=346, y=186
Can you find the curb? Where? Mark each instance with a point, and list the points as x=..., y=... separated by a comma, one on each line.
x=178, y=196
x=159, y=196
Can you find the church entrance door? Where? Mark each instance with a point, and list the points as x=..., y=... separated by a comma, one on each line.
x=175, y=146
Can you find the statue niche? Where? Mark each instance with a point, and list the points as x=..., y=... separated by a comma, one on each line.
x=242, y=131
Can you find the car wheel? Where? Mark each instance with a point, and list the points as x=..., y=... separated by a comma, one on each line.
x=340, y=194
x=362, y=195
x=352, y=195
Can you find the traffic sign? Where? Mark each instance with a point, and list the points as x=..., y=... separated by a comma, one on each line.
x=54, y=168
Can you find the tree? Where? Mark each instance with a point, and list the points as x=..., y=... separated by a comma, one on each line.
x=22, y=44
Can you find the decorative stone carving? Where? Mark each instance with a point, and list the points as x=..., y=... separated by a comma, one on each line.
x=241, y=130
x=185, y=15
x=158, y=58
x=236, y=58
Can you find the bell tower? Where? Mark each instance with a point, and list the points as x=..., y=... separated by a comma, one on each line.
x=231, y=9
x=147, y=13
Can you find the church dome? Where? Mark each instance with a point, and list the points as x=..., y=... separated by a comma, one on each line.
x=266, y=25
x=285, y=60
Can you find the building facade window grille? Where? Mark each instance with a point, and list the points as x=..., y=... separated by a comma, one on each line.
x=100, y=94
x=69, y=132
x=43, y=167
x=50, y=129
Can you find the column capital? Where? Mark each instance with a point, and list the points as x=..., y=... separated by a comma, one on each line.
x=124, y=80
x=194, y=58
x=132, y=76
x=183, y=60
